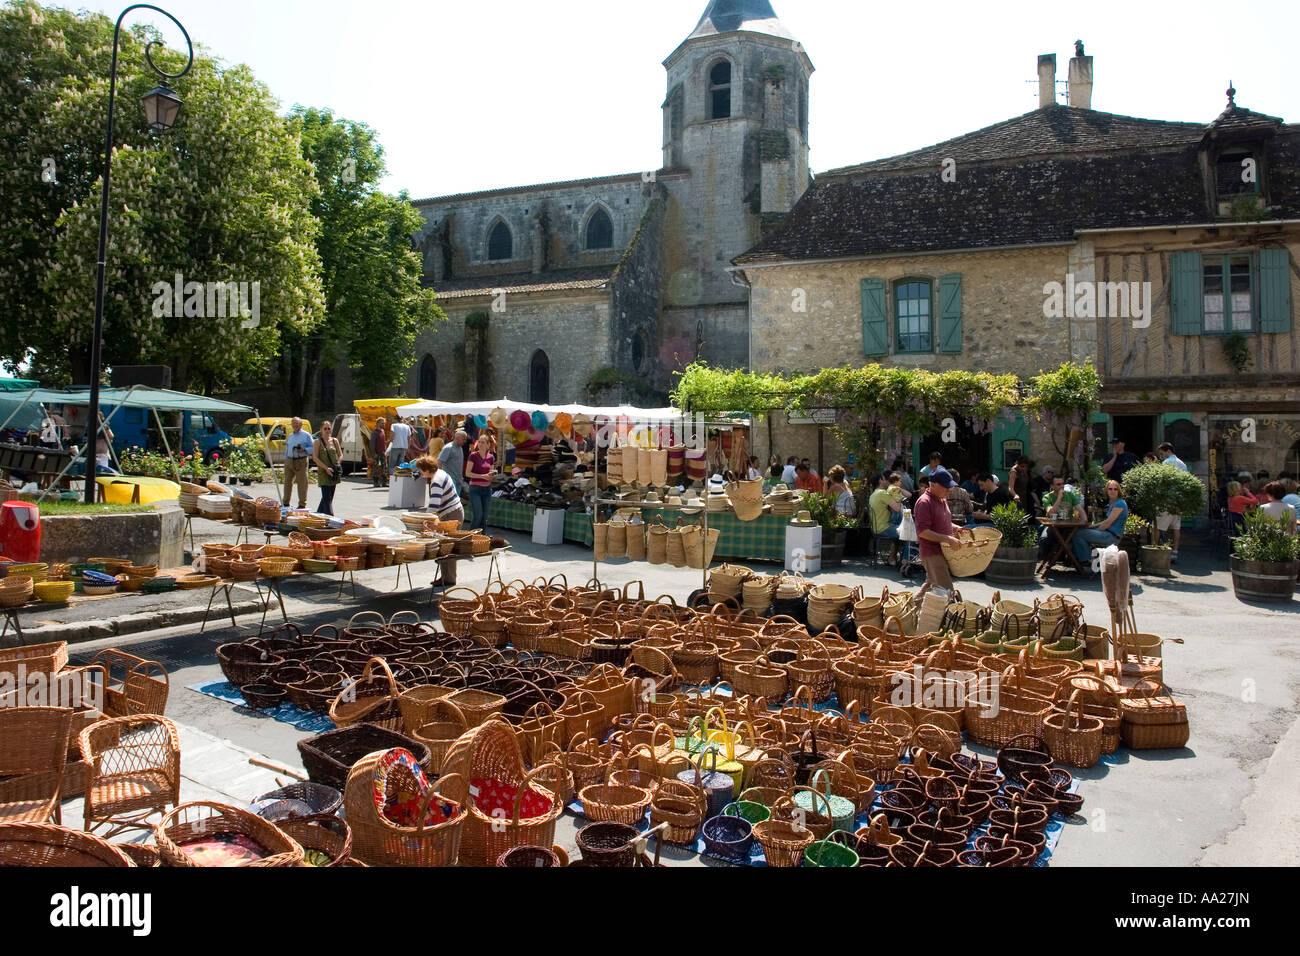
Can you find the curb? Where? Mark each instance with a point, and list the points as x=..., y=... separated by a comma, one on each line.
x=79, y=632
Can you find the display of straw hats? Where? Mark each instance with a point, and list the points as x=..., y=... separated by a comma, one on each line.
x=803, y=520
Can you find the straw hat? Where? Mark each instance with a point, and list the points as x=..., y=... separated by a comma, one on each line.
x=780, y=492
x=564, y=421
x=674, y=501
x=499, y=418
x=651, y=496
x=692, y=505
x=804, y=520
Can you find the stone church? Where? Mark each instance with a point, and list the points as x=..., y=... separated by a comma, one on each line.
x=597, y=289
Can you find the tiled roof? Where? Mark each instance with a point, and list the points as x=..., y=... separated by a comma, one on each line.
x=1236, y=118
x=539, y=187
x=557, y=281
x=1035, y=179
x=1049, y=131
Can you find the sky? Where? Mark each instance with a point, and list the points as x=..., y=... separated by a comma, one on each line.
x=468, y=96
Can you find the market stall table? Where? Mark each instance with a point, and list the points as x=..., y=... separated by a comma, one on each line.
x=762, y=539
x=1061, y=546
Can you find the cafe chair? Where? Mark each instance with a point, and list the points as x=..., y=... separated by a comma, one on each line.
x=135, y=771
x=33, y=753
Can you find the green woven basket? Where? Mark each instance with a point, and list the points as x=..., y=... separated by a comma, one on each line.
x=829, y=853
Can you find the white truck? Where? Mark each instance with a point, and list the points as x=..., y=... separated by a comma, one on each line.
x=347, y=429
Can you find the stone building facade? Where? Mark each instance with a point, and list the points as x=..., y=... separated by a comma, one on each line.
x=598, y=289
x=1062, y=235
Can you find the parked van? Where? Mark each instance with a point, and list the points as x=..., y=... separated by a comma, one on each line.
x=347, y=429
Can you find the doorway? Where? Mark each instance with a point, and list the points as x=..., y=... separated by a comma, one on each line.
x=1138, y=432
x=969, y=454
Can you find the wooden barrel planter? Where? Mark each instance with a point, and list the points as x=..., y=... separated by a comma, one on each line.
x=1264, y=580
x=1012, y=565
x=833, y=548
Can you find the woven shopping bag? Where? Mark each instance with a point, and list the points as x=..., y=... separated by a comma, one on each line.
x=657, y=541
x=636, y=543
x=659, y=467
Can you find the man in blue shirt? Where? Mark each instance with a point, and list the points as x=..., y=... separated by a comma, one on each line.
x=1165, y=521
x=298, y=448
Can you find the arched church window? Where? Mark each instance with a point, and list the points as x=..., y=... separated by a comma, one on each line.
x=600, y=231
x=500, y=242
x=720, y=90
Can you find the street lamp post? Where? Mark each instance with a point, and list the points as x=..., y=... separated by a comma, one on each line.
x=161, y=106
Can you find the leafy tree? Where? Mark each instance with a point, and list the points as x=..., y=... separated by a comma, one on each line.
x=374, y=303
x=1155, y=488
x=221, y=197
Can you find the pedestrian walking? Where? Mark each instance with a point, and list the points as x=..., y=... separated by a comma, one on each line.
x=1164, y=520
x=934, y=529
x=452, y=459
x=379, y=454
x=327, y=453
x=298, y=450
x=399, y=439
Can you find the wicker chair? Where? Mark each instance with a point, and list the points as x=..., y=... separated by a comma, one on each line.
x=33, y=753
x=135, y=771
x=133, y=685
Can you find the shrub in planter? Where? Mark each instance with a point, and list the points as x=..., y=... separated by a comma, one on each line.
x=835, y=526
x=1017, y=554
x=1265, y=560
x=1155, y=489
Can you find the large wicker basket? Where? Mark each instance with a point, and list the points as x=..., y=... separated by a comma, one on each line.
x=43, y=844
x=974, y=558
x=204, y=818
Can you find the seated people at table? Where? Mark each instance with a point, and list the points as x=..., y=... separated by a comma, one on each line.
x=1292, y=496
x=959, y=500
x=752, y=473
x=1106, y=532
x=1240, y=500
x=1063, y=504
x=994, y=495
x=936, y=464
x=444, y=499
x=1275, y=508
x=839, y=487
x=805, y=480
x=1041, y=483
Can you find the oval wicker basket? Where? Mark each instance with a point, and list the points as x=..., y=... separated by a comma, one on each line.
x=206, y=819
x=277, y=567
x=975, y=557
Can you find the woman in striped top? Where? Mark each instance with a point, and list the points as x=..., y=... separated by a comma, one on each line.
x=444, y=499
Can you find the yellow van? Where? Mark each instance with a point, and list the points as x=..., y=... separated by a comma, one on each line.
x=277, y=430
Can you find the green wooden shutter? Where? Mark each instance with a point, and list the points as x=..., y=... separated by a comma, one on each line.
x=950, y=314
x=1185, y=279
x=875, y=323
x=1274, y=290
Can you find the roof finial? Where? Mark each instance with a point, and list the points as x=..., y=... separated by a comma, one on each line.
x=1078, y=48
x=1232, y=94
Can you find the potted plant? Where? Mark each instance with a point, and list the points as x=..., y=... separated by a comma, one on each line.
x=1265, y=560
x=1153, y=489
x=835, y=526
x=1137, y=532
x=1016, y=558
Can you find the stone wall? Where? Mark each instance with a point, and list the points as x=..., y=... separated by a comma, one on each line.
x=572, y=328
x=634, y=302
x=568, y=208
x=150, y=537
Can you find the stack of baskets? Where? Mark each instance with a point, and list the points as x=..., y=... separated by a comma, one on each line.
x=726, y=583
x=267, y=511
x=16, y=590
x=214, y=507
x=37, y=571
x=189, y=497
x=756, y=593
x=828, y=604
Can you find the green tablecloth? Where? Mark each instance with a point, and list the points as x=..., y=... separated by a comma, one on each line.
x=514, y=515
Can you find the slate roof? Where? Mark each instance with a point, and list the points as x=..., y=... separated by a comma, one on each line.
x=538, y=187
x=1034, y=179
x=728, y=16
x=559, y=280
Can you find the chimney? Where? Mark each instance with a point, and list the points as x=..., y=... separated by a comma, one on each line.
x=1047, y=80
x=1080, y=78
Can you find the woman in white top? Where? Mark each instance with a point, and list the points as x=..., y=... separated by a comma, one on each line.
x=1271, y=504
x=753, y=474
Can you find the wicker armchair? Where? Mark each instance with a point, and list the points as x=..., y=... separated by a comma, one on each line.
x=33, y=753
x=132, y=685
x=135, y=771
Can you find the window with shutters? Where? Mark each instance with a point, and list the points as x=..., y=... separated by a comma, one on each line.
x=913, y=316
x=1227, y=294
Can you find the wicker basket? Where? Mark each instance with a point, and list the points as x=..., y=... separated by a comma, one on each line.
x=433, y=838
x=16, y=590
x=614, y=803
x=783, y=842
x=205, y=819
x=244, y=570
x=43, y=844
x=266, y=510
x=1152, y=719
x=277, y=567
x=326, y=834
x=974, y=557
x=329, y=757
x=1072, y=737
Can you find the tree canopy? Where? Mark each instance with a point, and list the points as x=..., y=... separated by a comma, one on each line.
x=224, y=196
x=374, y=302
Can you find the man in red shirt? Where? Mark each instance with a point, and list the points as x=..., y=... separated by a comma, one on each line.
x=805, y=480
x=933, y=528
